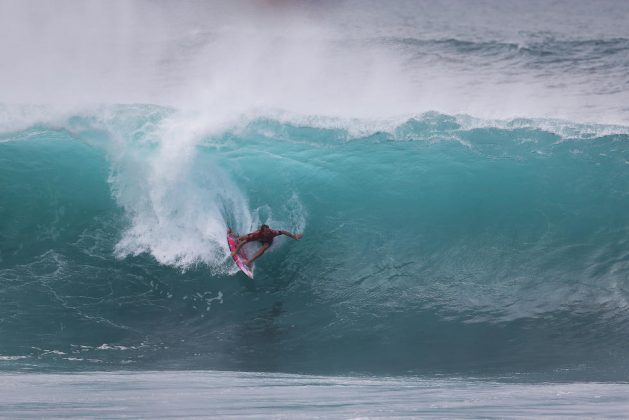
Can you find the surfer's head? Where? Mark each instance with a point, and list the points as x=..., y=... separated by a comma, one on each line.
x=264, y=227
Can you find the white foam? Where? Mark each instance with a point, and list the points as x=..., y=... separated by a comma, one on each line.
x=10, y=358
x=178, y=203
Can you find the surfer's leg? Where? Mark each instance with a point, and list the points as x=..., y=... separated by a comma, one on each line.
x=263, y=248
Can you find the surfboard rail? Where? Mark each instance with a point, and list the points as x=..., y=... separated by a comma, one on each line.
x=232, y=241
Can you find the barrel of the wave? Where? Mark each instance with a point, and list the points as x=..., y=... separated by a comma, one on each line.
x=240, y=257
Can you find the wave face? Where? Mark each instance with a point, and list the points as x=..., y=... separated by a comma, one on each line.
x=438, y=244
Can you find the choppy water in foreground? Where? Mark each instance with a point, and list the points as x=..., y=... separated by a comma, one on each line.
x=259, y=395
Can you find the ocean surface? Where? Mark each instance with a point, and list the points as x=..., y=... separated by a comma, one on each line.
x=460, y=171
x=207, y=394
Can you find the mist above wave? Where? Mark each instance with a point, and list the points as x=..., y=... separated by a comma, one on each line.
x=347, y=60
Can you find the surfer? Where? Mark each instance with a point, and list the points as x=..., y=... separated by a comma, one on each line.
x=265, y=236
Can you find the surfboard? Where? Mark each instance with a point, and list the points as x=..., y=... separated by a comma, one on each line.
x=232, y=241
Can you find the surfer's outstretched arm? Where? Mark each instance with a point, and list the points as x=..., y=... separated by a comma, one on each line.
x=296, y=236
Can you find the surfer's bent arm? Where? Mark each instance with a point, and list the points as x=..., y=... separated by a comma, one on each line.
x=240, y=244
x=294, y=236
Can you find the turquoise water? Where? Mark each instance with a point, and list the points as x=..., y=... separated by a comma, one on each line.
x=430, y=248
